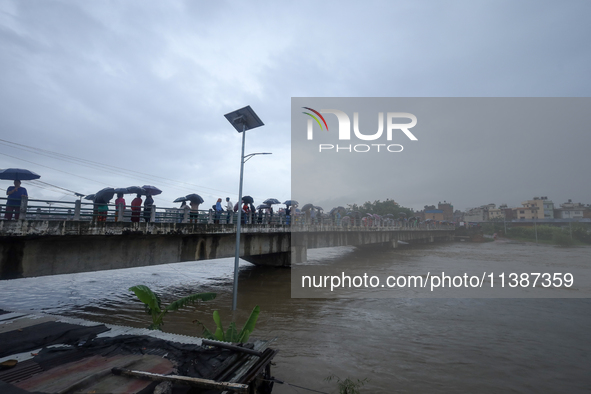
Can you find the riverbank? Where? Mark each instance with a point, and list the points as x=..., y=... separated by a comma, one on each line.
x=573, y=235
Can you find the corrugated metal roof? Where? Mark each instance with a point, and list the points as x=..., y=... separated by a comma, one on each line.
x=27, y=368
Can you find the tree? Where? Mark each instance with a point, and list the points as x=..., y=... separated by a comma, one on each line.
x=153, y=305
x=232, y=335
x=381, y=208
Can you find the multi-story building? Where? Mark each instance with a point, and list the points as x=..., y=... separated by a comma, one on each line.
x=497, y=213
x=435, y=214
x=570, y=210
x=448, y=210
x=479, y=214
x=509, y=213
x=538, y=208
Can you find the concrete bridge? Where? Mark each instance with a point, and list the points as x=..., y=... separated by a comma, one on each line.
x=49, y=247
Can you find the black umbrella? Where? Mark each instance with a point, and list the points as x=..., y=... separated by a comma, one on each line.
x=135, y=190
x=152, y=190
x=180, y=199
x=89, y=197
x=105, y=195
x=121, y=190
x=263, y=206
x=271, y=201
x=195, y=198
x=318, y=208
x=248, y=199
x=291, y=202
x=307, y=207
x=18, y=174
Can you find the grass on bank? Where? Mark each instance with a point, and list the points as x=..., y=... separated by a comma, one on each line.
x=575, y=235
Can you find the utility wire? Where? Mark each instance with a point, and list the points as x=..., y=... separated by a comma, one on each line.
x=36, y=181
x=93, y=164
x=96, y=165
x=51, y=168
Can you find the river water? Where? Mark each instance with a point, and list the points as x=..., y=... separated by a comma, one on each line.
x=402, y=345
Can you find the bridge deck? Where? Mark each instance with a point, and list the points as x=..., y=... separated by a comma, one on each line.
x=44, y=247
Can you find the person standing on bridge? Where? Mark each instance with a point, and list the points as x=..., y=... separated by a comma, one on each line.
x=119, y=205
x=229, y=210
x=194, y=211
x=218, y=211
x=136, y=208
x=148, y=202
x=245, y=213
x=13, y=201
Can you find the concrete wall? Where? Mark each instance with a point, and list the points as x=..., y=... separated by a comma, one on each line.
x=52, y=255
x=38, y=248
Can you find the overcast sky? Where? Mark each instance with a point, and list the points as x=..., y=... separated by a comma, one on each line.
x=138, y=89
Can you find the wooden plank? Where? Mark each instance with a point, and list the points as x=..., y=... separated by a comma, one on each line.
x=228, y=346
x=197, y=382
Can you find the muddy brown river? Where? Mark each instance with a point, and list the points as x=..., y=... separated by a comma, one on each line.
x=402, y=345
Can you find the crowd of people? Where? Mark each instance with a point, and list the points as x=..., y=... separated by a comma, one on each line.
x=226, y=213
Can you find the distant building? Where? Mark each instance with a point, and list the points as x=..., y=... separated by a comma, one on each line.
x=525, y=213
x=479, y=214
x=497, y=213
x=435, y=214
x=538, y=208
x=570, y=210
x=447, y=209
x=509, y=214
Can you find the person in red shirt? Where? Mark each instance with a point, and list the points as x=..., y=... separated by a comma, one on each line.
x=245, y=213
x=136, y=208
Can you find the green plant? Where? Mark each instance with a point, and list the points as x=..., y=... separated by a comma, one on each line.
x=153, y=305
x=232, y=335
x=347, y=385
x=562, y=239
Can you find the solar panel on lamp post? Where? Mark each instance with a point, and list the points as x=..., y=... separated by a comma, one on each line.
x=242, y=119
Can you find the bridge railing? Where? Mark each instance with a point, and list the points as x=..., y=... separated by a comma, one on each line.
x=32, y=209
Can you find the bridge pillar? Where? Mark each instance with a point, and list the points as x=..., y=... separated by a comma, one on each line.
x=153, y=214
x=299, y=254
x=77, y=207
x=120, y=210
x=23, y=208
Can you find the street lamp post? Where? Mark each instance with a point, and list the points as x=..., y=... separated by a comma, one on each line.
x=242, y=119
